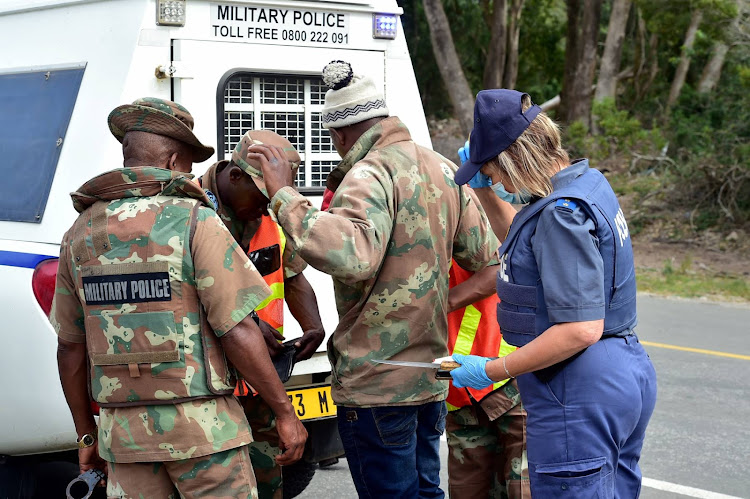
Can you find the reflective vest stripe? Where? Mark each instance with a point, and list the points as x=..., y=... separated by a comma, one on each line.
x=277, y=293
x=505, y=349
x=282, y=237
x=473, y=330
x=467, y=331
x=264, y=309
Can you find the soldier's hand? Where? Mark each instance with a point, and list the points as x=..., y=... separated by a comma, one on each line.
x=88, y=458
x=277, y=170
x=308, y=344
x=292, y=438
x=272, y=337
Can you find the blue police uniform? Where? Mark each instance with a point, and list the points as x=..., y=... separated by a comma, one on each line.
x=568, y=258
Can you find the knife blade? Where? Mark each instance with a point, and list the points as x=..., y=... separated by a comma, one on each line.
x=444, y=368
x=428, y=365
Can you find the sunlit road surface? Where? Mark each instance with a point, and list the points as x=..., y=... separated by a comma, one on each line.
x=698, y=442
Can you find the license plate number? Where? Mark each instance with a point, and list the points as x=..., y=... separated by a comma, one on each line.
x=312, y=403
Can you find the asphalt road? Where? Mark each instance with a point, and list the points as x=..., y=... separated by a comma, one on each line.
x=698, y=441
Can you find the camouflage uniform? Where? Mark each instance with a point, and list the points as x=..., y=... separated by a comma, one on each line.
x=487, y=447
x=200, y=440
x=243, y=231
x=224, y=474
x=265, y=445
x=395, y=220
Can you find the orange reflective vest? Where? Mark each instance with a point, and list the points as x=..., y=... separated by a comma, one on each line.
x=268, y=235
x=269, y=238
x=473, y=330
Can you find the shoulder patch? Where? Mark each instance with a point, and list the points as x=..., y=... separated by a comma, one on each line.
x=566, y=204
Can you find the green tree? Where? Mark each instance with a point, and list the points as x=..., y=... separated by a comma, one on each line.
x=701, y=144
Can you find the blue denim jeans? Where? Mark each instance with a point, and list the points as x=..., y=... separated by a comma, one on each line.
x=393, y=451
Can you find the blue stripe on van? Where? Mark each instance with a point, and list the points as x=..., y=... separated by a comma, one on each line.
x=25, y=260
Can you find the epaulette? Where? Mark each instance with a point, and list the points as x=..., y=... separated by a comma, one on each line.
x=567, y=204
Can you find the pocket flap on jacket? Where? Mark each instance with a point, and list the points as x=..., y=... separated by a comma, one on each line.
x=576, y=467
x=135, y=338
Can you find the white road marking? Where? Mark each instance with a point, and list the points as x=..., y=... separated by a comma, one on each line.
x=684, y=490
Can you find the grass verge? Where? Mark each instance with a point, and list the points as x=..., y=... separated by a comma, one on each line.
x=688, y=284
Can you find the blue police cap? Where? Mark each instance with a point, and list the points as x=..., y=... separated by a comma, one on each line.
x=498, y=122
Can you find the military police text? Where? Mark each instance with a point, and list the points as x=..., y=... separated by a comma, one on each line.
x=278, y=25
x=133, y=288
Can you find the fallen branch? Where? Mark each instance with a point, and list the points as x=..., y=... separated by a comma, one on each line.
x=626, y=73
x=645, y=157
x=553, y=103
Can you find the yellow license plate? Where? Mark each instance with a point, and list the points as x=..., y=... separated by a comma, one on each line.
x=312, y=403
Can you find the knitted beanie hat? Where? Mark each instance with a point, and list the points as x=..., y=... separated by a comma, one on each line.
x=351, y=98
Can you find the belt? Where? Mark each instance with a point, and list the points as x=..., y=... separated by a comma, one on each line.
x=622, y=334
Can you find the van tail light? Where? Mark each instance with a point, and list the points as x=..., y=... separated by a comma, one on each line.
x=43, y=283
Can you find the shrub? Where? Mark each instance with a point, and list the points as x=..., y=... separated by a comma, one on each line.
x=711, y=133
x=619, y=134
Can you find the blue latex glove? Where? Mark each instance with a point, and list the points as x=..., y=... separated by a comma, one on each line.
x=480, y=180
x=472, y=372
x=463, y=153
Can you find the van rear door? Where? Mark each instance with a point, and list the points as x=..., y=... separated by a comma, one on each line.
x=273, y=87
x=238, y=87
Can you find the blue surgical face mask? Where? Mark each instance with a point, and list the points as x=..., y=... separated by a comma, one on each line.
x=522, y=197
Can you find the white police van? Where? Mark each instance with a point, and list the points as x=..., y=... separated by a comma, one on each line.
x=236, y=65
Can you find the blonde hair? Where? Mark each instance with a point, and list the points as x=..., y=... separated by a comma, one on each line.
x=534, y=157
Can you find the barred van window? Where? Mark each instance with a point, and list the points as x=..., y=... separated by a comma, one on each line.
x=290, y=106
x=288, y=125
x=282, y=90
x=239, y=90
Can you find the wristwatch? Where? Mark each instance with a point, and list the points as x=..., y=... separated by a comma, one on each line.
x=86, y=440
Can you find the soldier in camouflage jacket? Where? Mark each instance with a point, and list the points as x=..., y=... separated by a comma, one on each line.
x=152, y=300
x=237, y=190
x=395, y=221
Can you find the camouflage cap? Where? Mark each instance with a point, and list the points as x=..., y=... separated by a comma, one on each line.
x=252, y=168
x=159, y=116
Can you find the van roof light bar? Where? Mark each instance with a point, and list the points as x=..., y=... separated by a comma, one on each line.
x=384, y=26
x=170, y=12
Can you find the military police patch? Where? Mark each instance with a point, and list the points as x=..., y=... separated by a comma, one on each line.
x=129, y=288
x=126, y=283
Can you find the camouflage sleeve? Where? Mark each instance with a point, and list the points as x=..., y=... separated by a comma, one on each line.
x=228, y=285
x=475, y=245
x=348, y=241
x=293, y=262
x=66, y=315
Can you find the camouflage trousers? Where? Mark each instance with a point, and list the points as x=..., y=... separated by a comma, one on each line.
x=265, y=446
x=224, y=475
x=487, y=458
